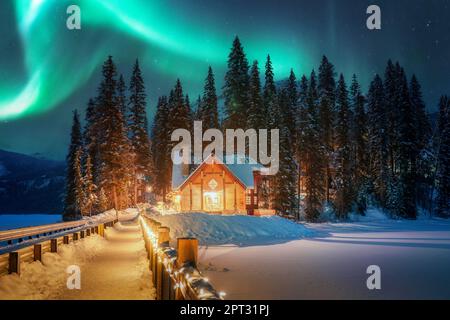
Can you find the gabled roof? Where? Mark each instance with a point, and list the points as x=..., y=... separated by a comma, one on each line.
x=239, y=166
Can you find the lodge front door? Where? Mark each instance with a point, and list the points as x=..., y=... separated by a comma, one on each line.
x=213, y=201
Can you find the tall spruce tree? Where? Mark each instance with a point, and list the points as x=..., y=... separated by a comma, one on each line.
x=121, y=96
x=301, y=120
x=443, y=159
x=422, y=122
x=326, y=89
x=180, y=114
x=256, y=111
x=423, y=140
x=138, y=132
x=392, y=101
x=284, y=198
x=344, y=160
x=91, y=136
x=90, y=197
x=359, y=145
x=343, y=166
x=291, y=109
x=209, y=111
x=236, y=88
x=270, y=96
x=314, y=155
x=74, y=180
x=198, y=110
x=407, y=153
x=113, y=151
x=377, y=140
x=161, y=148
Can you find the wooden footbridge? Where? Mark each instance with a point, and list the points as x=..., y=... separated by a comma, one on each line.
x=174, y=272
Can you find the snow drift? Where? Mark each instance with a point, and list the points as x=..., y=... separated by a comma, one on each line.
x=233, y=229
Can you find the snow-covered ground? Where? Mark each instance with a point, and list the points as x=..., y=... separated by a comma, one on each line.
x=12, y=221
x=240, y=230
x=46, y=280
x=114, y=267
x=308, y=261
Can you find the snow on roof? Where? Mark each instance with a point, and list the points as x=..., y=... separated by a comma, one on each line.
x=241, y=166
x=178, y=176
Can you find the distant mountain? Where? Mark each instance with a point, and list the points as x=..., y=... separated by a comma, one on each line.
x=30, y=184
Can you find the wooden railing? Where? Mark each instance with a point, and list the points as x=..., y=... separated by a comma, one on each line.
x=28, y=244
x=175, y=273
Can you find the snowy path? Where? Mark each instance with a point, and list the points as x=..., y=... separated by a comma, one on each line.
x=414, y=257
x=119, y=271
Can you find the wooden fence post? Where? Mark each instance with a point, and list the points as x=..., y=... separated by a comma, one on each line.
x=66, y=240
x=81, y=234
x=53, y=245
x=163, y=241
x=101, y=229
x=187, y=251
x=37, y=252
x=155, y=227
x=14, y=262
x=88, y=232
x=163, y=236
x=75, y=236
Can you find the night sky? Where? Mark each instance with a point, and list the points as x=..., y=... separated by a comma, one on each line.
x=47, y=70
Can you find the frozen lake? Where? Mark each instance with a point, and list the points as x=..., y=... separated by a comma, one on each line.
x=12, y=221
x=414, y=257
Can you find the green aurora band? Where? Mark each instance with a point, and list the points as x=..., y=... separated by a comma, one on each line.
x=59, y=61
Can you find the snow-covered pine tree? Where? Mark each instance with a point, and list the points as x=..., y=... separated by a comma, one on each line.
x=313, y=155
x=326, y=90
x=301, y=120
x=138, y=132
x=91, y=136
x=359, y=146
x=180, y=114
x=102, y=202
x=273, y=117
x=291, y=110
x=256, y=110
x=187, y=102
x=343, y=166
x=422, y=122
x=89, y=187
x=423, y=137
x=284, y=186
x=113, y=142
x=74, y=185
x=180, y=117
x=377, y=140
x=392, y=96
x=188, y=107
x=198, y=110
x=407, y=152
x=209, y=111
x=78, y=181
x=270, y=96
x=236, y=88
x=121, y=96
x=161, y=149
x=443, y=159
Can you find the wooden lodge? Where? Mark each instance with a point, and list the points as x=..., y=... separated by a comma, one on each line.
x=218, y=188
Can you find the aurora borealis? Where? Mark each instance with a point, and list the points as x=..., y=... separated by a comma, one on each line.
x=47, y=70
